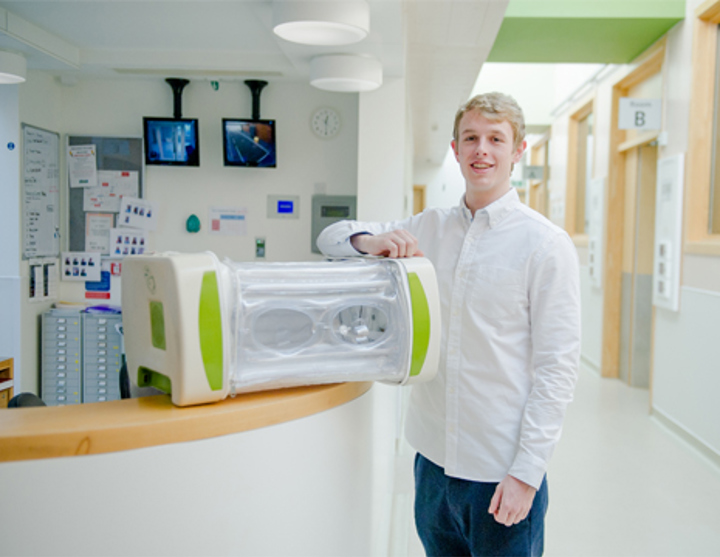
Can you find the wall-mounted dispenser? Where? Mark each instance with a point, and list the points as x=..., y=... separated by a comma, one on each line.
x=202, y=329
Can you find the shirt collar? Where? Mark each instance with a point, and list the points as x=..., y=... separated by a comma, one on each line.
x=497, y=210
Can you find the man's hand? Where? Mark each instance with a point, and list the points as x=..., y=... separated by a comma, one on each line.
x=512, y=501
x=395, y=244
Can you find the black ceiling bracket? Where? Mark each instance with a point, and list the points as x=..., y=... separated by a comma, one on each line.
x=177, y=85
x=256, y=88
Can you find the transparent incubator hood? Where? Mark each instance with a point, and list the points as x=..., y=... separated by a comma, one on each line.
x=319, y=322
x=202, y=329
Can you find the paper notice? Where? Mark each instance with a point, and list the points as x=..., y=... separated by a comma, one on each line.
x=82, y=166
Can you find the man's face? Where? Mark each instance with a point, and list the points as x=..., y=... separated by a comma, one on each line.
x=485, y=153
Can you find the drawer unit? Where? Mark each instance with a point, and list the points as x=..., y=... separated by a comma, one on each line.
x=81, y=357
x=61, y=357
x=102, y=357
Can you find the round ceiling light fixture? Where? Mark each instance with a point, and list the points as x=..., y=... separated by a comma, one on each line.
x=321, y=22
x=13, y=67
x=345, y=73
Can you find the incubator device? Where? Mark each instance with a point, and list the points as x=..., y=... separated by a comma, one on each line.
x=202, y=329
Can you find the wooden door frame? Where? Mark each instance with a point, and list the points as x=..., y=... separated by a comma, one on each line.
x=571, y=190
x=648, y=65
x=422, y=189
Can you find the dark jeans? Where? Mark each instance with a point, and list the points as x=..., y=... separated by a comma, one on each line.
x=452, y=517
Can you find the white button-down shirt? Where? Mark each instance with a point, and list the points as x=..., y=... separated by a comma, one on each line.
x=510, y=300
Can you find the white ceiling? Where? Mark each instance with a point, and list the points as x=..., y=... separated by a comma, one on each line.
x=439, y=46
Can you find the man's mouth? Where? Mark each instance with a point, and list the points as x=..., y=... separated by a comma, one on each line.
x=481, y=165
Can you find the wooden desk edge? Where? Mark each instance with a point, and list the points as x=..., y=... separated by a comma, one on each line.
x=51, y=432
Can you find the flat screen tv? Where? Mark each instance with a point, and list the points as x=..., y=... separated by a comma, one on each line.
x=248, y=142
x=171, y=141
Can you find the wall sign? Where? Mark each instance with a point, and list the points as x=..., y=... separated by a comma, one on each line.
x=640, y=114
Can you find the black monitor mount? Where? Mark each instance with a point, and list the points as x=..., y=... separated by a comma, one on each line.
x=177, y=85
x=256, y=88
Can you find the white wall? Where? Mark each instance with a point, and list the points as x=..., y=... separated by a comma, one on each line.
x=445, y=183
x=10, y=282
x=686, y=373
x=381, y=156
x=112, y=107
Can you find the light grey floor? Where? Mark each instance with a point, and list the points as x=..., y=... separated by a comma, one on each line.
x=620, y=483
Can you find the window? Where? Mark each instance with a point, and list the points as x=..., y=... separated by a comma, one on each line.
x=714, y=201
x=702, y=178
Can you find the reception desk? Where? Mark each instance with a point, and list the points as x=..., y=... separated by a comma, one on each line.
x=287, y=472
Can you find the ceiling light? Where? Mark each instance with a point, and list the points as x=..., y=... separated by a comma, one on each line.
x=321, y=22
x=345, y=73
x=13, y=67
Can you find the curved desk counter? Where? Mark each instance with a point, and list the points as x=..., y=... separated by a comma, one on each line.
x=32, y=433
x=286, y=472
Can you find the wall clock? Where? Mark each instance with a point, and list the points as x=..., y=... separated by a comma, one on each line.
x=325, y=122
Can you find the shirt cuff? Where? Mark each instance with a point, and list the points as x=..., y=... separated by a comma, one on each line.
x=528, y=469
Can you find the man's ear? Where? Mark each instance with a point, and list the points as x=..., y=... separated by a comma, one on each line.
x=519, y=151
x=454, y=148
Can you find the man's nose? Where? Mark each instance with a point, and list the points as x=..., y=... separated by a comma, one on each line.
x=482, y=146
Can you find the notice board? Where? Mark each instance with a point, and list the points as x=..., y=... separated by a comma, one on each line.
x=113, y=154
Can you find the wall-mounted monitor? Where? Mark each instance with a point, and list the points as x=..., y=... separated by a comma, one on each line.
x=171, y=141
x=248, y=142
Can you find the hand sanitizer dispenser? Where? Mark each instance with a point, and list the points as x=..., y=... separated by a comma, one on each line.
x=202, y=329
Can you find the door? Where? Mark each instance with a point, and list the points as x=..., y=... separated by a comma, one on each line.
x=636, y=312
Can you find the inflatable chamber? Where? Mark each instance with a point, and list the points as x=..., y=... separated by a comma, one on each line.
x=202, y=329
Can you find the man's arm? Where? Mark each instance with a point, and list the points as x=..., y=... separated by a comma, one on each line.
x=351, y=238
x=394, y=244
x=555, y=321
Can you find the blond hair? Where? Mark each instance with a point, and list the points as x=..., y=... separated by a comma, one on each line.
x=497, y=107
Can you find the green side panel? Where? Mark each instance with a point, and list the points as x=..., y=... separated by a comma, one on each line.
x=210, y=326
x=149, y=378
x=421, y=323
x=157, y=325
x=576, y=40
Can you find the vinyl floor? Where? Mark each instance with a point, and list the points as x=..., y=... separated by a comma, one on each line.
x=621, y=484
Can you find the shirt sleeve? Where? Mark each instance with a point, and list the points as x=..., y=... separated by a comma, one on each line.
x=554, y=293
x=334, y=240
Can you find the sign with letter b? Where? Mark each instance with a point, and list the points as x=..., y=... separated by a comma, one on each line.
x=640, y=114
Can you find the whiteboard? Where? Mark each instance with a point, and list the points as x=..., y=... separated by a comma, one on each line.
x=41, y=192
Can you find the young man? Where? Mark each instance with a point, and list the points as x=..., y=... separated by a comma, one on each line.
x=486, y=427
